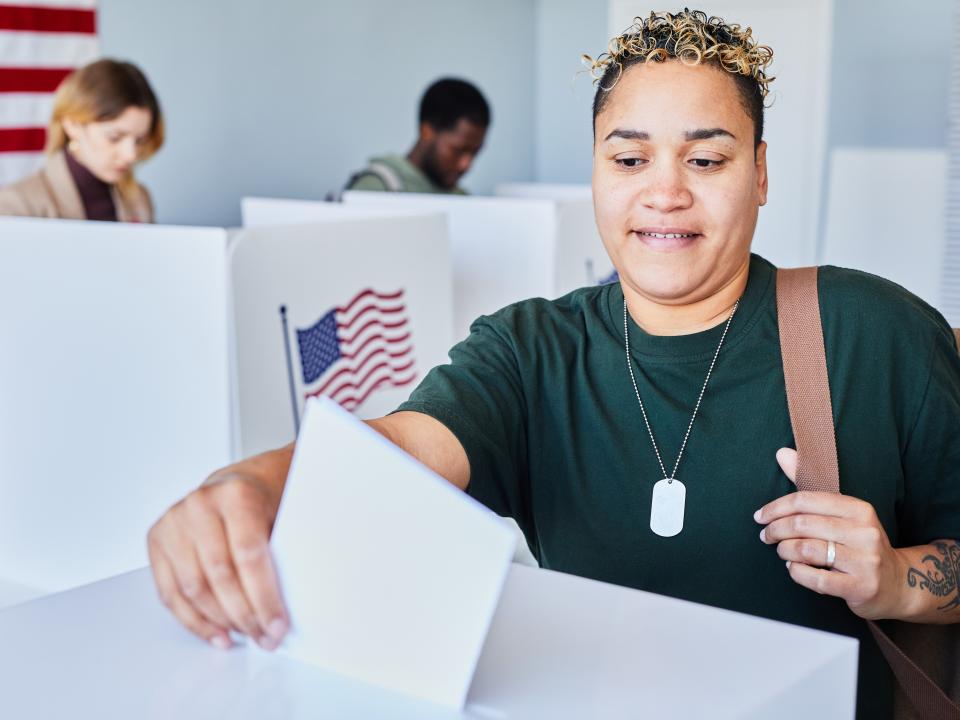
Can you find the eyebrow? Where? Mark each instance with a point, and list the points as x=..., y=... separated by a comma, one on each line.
x=689, y=135
x=707, y=133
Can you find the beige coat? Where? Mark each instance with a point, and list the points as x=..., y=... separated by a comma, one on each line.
x=52, y=193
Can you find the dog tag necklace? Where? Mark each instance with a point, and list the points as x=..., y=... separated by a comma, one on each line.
x=669, y=495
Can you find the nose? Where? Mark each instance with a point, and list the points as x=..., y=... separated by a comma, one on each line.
x=665, y=190
x=464, y=163
x=128, y=151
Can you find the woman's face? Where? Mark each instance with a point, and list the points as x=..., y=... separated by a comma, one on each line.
x=676, y=182
x=109, y=148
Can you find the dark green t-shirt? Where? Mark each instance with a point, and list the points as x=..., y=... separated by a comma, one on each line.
x=540, y=397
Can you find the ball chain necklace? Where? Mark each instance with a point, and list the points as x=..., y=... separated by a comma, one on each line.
x=669, y=494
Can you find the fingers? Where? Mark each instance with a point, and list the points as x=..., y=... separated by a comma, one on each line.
x=787, y=459
x=814, y=553
x=181, y=608
x=820, y=527
x=825, y=582
x=217, y=567
x=192, y=579
x=248, y=538
x=212, y=565
x=816, y=503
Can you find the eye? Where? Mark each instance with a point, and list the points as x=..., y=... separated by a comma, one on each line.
x=706, y=162
x=629, y=162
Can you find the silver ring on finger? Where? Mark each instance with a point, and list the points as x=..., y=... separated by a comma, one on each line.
x=831, y=554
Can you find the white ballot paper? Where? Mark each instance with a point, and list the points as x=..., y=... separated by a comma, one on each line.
x=391, y=575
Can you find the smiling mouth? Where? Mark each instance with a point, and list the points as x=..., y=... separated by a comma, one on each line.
x=667, y=236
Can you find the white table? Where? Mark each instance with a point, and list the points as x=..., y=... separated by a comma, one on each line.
x=560, y=647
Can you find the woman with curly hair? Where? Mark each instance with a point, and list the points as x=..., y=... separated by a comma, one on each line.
x=639, y=432
x=106, y=119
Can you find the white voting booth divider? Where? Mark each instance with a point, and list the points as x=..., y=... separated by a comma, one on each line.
x=886, y=215
x=353, y=306
x=390, y=244
x=547, y=191
x=507, y=249
x=114, y=391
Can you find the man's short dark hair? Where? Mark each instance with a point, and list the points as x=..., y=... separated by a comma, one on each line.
x=448, y=100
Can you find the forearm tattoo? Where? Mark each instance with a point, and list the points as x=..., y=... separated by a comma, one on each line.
x=940, y=574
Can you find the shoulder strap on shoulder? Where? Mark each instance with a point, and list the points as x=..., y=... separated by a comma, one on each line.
x=381, y=171
x=805, y=375
x=387, y=175
x=811, y=415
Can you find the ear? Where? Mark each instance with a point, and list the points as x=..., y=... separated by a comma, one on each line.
x=427, y=132
x=761, y=162
x=71, y=128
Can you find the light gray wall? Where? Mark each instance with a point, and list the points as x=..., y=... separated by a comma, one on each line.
x=888, y=86
x=286, y=98
x=890, y=73
x=566, y=29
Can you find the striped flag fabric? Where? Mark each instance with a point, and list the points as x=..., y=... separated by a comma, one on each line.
x=357, y=348
x=41, y=42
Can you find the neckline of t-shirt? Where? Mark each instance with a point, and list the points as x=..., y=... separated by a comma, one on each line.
x=696, y=346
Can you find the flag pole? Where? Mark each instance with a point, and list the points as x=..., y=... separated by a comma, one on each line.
x=293, y=391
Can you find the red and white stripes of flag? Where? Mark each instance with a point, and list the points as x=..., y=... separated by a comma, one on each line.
x=41, y=42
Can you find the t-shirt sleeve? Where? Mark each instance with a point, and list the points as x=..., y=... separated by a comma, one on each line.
x=932, y=456
x=479, y=397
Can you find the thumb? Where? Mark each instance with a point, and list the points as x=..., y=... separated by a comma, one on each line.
x=787, y=458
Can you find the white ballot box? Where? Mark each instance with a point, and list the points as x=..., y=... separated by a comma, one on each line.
x=559, y=648
x=508, y=249
x=349, y=306
x=887, y=215
x=114, y=390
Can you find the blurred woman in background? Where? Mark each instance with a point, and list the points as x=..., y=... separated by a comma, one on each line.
x=105, y=120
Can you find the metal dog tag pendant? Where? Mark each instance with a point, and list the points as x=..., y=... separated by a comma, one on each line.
x=666, y=509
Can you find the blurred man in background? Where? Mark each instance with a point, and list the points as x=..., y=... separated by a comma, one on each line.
x=454, y=117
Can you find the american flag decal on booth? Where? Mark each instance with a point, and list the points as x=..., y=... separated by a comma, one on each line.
x=357, y=348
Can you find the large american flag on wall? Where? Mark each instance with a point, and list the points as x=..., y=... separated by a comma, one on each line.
x=357, y=348
x=40, y=43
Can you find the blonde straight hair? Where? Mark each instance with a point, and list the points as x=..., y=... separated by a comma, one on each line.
x=100, y=91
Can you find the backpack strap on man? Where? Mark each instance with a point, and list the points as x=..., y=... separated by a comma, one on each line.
x=811, y=415
x=392, y=182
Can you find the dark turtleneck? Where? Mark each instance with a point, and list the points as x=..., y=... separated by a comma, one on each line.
x=96, y=195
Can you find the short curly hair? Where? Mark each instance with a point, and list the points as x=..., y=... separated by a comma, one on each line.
x=694, y=38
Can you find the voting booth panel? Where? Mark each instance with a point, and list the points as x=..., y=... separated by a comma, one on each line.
x=114, y=386
x=508, y=249
x=258, y=211
x=892, y=224
x=546, y=191
x=355, y=309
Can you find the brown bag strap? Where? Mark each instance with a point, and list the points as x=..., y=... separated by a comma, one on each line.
x=811, y=415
